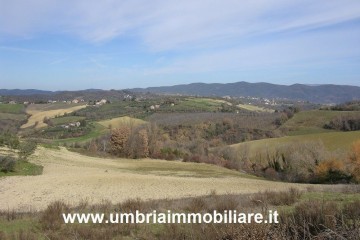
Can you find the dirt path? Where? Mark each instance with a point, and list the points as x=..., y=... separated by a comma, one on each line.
x=73, y=177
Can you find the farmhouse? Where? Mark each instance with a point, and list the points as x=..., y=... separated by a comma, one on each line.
x=71, y=125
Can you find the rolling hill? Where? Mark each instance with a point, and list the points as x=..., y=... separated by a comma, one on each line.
x=318, y=94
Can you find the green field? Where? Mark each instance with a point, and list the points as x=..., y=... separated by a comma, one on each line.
x=194, y=105
x=12, y=116
x=12, y=108
x=24, y=168
x=97, y=131
x=310, y=122
x=200, y=104
x=332, y=141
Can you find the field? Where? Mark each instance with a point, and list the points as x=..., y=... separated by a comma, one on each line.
x=67, y=119
x=332, y=141
x=12, y=108
x=73, y=177
x=310, y=122
x=197, y=105
x=12, y=116
x=254, y=108
x=120, y=121
x=39, y=111
x=97, y=131
x=101, y=182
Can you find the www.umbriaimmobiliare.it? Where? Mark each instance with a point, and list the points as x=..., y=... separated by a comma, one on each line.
x=227, y=216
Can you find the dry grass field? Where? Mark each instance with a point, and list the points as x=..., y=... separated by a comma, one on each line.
x=38, y=113
x=72, y=177
x=120, y=121
x=254, y=108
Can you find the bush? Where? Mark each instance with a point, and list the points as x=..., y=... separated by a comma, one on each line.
x=7, y=164
x=354, y=161
x=26, y=149
x=316, y=216
x=52, y=219
x=9, y=140
x=344, y=123
x=278, y=198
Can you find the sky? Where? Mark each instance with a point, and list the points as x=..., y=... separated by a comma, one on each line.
x=118, y=44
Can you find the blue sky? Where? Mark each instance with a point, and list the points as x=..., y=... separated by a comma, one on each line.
x=115, y=44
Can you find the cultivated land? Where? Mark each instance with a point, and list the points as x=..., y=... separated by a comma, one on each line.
x=332, y=141
x=254, y=108
x=72, y=177
x=310, y=122
x=121, y=121
x=39, y=111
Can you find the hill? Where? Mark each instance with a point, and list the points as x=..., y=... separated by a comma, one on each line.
x=318, y=94
x=19, y=92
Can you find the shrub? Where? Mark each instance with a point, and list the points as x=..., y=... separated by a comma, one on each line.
x=288, y=197
x=26, y=149
x=52, y=219
x=354, y=161
x=344, y=123
x=7, y=164
x=332, y=170
x=118, y=140
x=316, y=216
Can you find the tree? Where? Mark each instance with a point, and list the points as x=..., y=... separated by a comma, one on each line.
x=118, y=140
x=153, y=135
x=26, y=149
x=354, y=161
x=143, y=144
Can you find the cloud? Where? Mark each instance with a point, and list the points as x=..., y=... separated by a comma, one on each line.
x=170, y=25
x=292, y=51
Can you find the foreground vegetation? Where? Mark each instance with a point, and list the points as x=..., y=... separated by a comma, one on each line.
x=14, y=156
x=333, y=214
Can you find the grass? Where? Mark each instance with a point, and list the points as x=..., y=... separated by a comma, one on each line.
x=300, y=216
x=332, y=141
x=51, y=106
x=12, y=108
x=310, y=122
x=120, y=121
x=97, y=131
x=67, y=119
x=197, y=104
x=183, y=169
x=12, y=116
x=338, y=197
x=24, y=168
x=254, y=108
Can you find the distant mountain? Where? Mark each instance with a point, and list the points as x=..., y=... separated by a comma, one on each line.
x=19, y=92
x=32, y=95
x=327, y=93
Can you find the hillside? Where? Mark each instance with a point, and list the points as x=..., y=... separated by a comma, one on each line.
x=81, y=177
x=317, y=94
